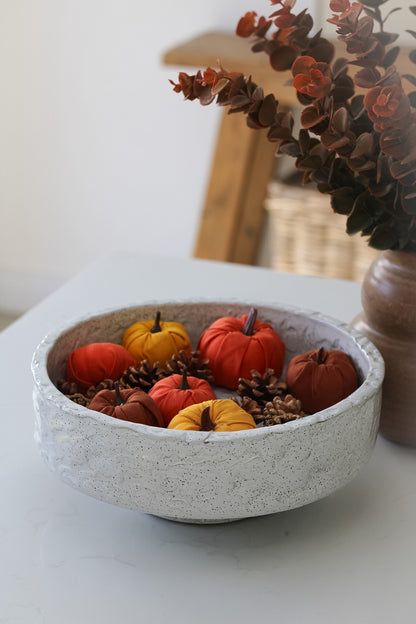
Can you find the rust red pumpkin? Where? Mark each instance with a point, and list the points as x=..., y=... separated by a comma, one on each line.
x=89, y=365
x=236, y=346
x=172, y=394
x=321, y=378
x=131, y=404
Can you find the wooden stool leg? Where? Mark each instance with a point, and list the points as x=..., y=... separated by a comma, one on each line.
x=233, y=214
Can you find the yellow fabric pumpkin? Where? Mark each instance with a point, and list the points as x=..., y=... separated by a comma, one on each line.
x=156, y=341
x=214, y=415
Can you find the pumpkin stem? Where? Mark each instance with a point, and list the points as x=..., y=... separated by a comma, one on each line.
x=184, y=385
x=248, y=328
x=321, y=357
x=206, y=422
x=156, y=327
x=119, y=399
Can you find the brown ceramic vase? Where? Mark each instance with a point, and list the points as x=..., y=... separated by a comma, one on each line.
x=388, y=319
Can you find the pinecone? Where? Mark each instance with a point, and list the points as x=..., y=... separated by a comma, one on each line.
x=79, y=398
x=262, y=388
x=143, y=376
x=106, y=384
x=191, y=364
x=71, y=391
x=67, y=387
x=282, y=410
x=251, y=406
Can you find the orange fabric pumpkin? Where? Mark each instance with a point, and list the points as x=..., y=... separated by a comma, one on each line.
x=156, y=341
x=89, y=365
x=217, y=415
x=174, y=393
x=131, y=404
x=235, y=347
x=321, y=378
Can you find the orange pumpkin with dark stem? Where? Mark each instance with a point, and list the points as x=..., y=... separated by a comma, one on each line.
x=156, y=341
x=218, y=415
x=131, y=404
x=89, y=365
x=321, y=378
x=174, y=393
x=235, y=347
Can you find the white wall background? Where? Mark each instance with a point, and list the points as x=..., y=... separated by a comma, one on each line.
x=96, y=151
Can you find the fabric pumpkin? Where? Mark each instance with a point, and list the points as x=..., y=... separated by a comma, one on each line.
x=89, y=365
x=235, y=347
x=216, y=415
x=156, y=341
x=176, y=392
x=131, y=404
x=321, y=378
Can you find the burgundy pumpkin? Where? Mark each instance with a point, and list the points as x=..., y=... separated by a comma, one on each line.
x=321, y=378
x=235, y=347
x=89, y=365
x=131, y=404
x=174, y=393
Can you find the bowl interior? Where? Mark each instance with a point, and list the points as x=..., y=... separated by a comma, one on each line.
x=301, y=331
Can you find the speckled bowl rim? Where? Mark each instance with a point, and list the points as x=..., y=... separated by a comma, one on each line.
x=367, y=389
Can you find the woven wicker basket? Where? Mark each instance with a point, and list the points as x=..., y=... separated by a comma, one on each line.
x=303, y=235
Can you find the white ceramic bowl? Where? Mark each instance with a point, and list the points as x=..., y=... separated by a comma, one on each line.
x=207, y=476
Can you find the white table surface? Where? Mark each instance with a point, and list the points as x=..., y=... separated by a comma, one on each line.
x=67, y=558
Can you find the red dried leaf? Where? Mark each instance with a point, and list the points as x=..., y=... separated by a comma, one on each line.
x=394, y=143
x=342, y=90
x=284, y=20
x=221, y=84
x=361, y=215
x=309, y=162
x=311, y=117
x=283, y=57
x=204, y=94
x=309, y=78
x=210, y=77
x=339, y=6
x=406, y=173
x=322, y=51
x=361, y=164
x=340, y=120
x=262, y=27
x=289, y=149
x=383, y=102
x=267, y=112
x=386, y=38
x=342, y=200
x=279, y=133
x=391, y=57
x=302, y=65
x=177, y=87
x=384, y=236
x=340, y=66
x=364, y=27
x=246, y=25
x=367, y=77
x=240, y=101
x=334, y=141
x=364, y=145
x=258, y=93
x=409, y=204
